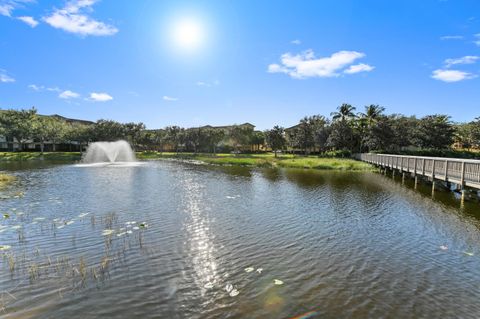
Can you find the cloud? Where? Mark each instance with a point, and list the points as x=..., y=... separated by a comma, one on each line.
x=362, y=67
x=477, y=42
x=40, y=88
x=35, y=87
x=54, y=89
x=6, y=10
x=306, y=65
x=29, y=20
x=73, y=18
x=5, y=78
x=452, y=75
x=296, y=41
x=452, y=37
x=169, y=98
x=68, y=95
x=8, y=6
x=100, y=97
x=468, y=59
x=208, y=84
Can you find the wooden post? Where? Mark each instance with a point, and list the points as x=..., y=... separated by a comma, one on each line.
x=433, y=170
x=415, y=167
x=446, y=171
x=423, y=166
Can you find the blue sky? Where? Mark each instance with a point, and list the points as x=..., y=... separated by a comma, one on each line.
x=221, y=62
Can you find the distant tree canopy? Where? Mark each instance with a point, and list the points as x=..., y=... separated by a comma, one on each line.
x=346, y=131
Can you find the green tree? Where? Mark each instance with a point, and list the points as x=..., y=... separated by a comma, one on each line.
x=133, y=132
x=342, y=136
x=240, y=136
x=344, y=112
x=46, y=128
x=434, y=131
x=108, y=130
x=175, y=136
x=79, y=133
x=18, y=124
x=257, y=139
x=275, y=138
x=379, y=135
x=194, y=138
x=213, y=138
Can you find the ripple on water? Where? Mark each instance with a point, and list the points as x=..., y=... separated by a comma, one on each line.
x=347, y=245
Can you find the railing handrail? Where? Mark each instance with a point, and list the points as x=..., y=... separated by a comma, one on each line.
x=450, y=159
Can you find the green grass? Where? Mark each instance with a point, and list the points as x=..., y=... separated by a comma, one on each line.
x=254, y=160
x=30, y=156
x=266, y=160
x=5, y=179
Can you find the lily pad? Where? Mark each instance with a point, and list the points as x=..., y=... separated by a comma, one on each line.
x=229, y=287
x=208, y=285
x=249, y=269
x=143, y=225
x=259, y=270
x=107, y=232
x=468, y=253
x=277, y=282
x=5, y=247
x=234, y=292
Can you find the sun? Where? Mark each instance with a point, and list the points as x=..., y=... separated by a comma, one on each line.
x=188, y=34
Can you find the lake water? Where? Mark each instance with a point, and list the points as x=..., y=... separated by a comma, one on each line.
x=166, y=240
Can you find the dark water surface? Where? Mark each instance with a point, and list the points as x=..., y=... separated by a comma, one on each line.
x=347, y=245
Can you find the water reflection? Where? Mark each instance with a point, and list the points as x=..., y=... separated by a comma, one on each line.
x=199, y=243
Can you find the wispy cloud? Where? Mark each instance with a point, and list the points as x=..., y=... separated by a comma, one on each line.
x=468, y=59
x=100, y=97
x=452, y=37
x=477, y=41
x=452, y=75
x=67, y=95
x=74, y=18
x=306, y=65
x=29, y=20
x=35, y=87
x=8, y=6
x=208, y=84
x=40, y=88
x=5, y=78
x=296, y=42
x=169, y=98
x=362, y=67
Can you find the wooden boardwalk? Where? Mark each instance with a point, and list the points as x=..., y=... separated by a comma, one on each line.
x=451, y=170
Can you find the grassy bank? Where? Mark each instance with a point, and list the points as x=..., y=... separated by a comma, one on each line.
x=5, y=179
x=265, y=160
x=30, y=156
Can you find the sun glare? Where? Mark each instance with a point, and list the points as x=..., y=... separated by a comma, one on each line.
x=188, y=34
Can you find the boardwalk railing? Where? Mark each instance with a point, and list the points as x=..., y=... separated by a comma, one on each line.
x=454, y=170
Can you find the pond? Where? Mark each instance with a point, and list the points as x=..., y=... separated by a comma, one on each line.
x=179, y=240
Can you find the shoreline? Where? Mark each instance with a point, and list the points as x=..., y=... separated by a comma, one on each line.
x=264, y=160
x=248, y=160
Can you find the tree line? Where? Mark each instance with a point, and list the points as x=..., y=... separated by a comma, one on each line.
x=345, y=131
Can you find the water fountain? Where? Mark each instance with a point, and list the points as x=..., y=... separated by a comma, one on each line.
x=110, y=153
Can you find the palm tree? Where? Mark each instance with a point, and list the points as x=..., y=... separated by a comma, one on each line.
x=372, y=113
x=345, y=111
